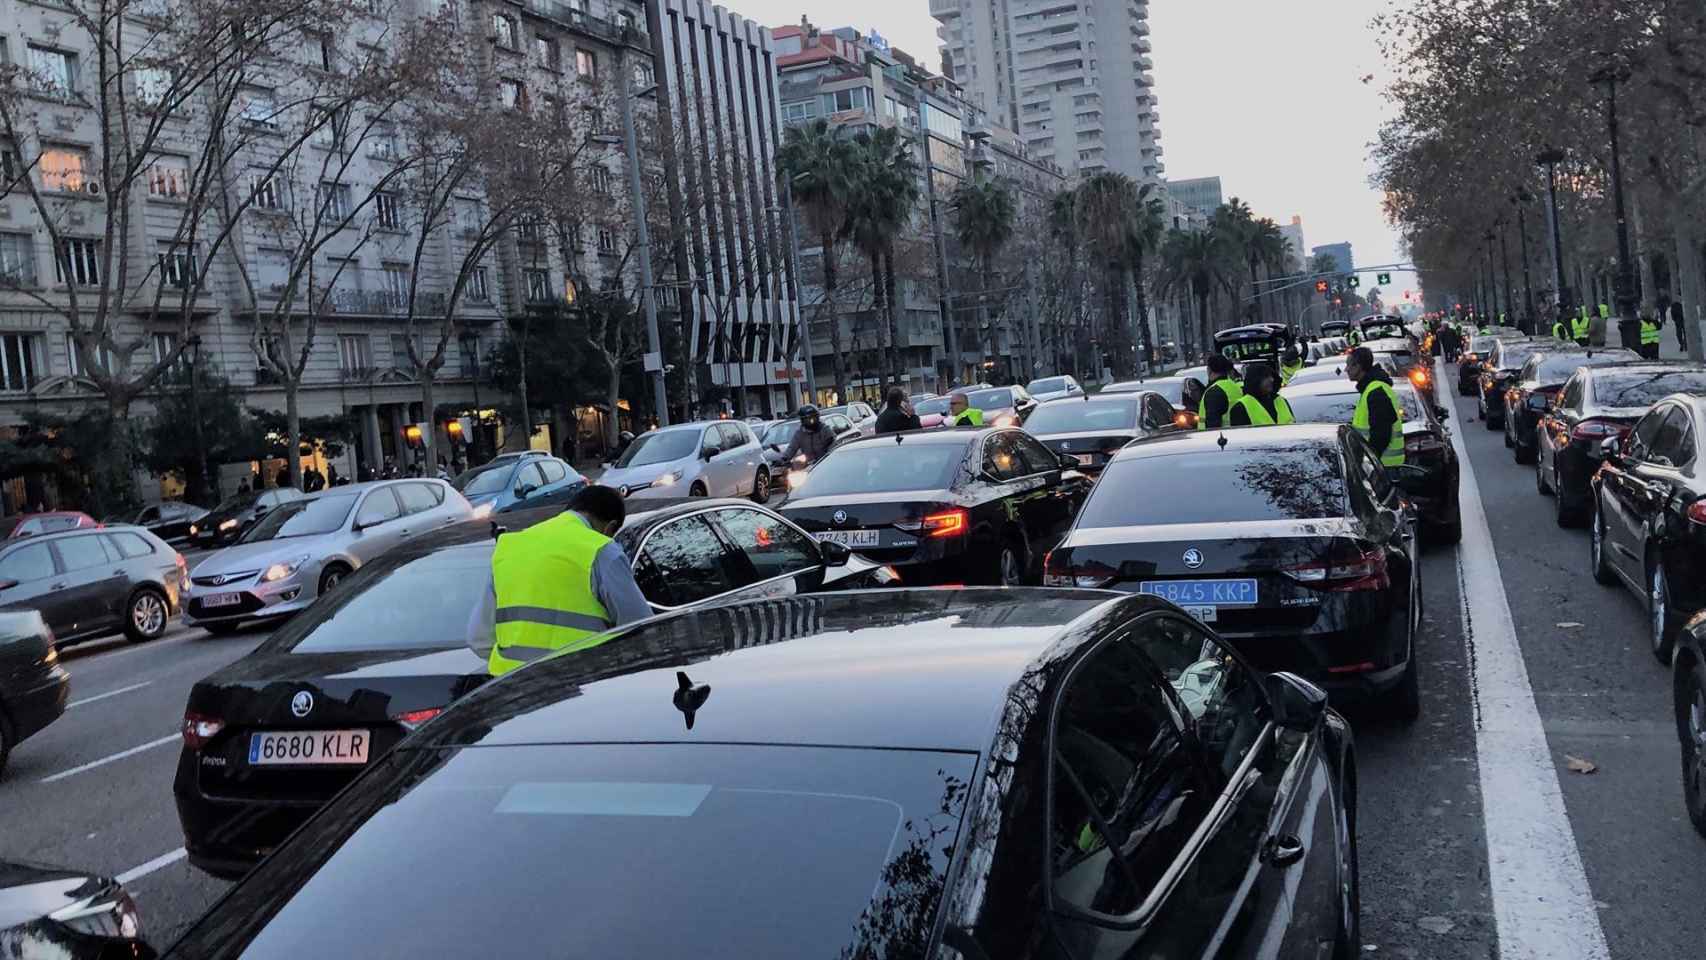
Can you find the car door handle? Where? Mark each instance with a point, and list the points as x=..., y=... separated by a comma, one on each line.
x=1282, y=850
x=57, y=586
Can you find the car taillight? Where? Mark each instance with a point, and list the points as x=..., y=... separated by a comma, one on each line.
x=200, y=728
x=1346, y=568
x=1184, y=420
x=411, y=719
x=1697, y=512
x=1419, y=377
x=1091, y=576
x=949, y=524
x=1597, y=430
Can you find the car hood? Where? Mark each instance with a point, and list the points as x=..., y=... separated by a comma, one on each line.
x=254, y=556
x=635, y=476
x=30, y=891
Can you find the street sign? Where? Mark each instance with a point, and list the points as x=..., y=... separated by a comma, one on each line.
x=1354, y=281
x=653, y=361
x=1384, y=279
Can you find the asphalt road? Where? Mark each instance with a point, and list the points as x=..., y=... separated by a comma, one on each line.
x=1567, y=865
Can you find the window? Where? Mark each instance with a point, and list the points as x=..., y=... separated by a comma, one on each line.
x=397, y=277
x=81, y=552
x=773, y=547
x=322, y=51
x=17, y=260
x=1669, y=440
x=400, y=350
x=470, y=216
x=55, y=71
x=643, y=75
x=538, y=284
x=628, y=20
x=163, y=344
x=153, y=85
x=503, y=31
x=64, y=168
x=547, y=53
x=354, y=352
x=169, y=178
x=388, y=211
x=479, y=286
x=1001, y=458
x=255, y=105
x=601, y=181
x=19, y=361
x=267, y=190
x=177, y=265
x=512, y=94
x=1158, y=413
x=684, y=562
x=1301, y=483
x=416, y=497
x=586, y=64
x=328, y=128
x=606, y=240
x=468, y=350
x=335, y=202
x=129, y=545
x=380, y=506
x=382, y=141
x=1223, y=698
x=103, y=358
x=272, y=270
x=25, y=564
x=80, y=261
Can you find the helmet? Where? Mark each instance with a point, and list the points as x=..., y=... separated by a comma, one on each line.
x=807, y=410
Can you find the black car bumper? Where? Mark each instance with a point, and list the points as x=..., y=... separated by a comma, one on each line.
x=227, y=836
x=1468, y=379
x=1523, y=425
x=1576, y=467
x=38, y=705
x=1353, y=664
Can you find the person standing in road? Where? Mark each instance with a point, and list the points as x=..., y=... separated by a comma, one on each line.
x=1290, y=363
x=1261, y=405
x=895, y=417
x=558, y=584
x=1581, y=326
x=1223, y=391
x=1650, y=337
x=812, y=440
x=1560, y=329
x=1678, y=320
x=1379, y=417
x=962, y=413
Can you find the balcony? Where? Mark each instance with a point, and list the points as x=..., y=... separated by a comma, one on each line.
x=598, y=27
x=382, y=303
x=944, y=8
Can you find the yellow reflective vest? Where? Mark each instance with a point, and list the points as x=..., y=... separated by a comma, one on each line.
x=1258, y=414
x=1393, y=455
x=545, y=599
x=1287, y=371
x=1649, y=332
x=969, y=417
x=1233, y=390
x=1579, y=325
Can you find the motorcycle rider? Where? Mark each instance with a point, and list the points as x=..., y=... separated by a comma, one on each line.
x=811, y=441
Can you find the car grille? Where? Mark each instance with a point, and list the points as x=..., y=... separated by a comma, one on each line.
x=249, y=604
x=223, y=579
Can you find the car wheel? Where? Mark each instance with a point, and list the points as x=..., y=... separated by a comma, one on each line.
x=698, y=490
x=761, y=487
x=1540, y=485
x=1691, y=728
x=1525, y=454
x=1348, y=945
x=1510, y=440
x=1406, y=703
x=1659, y=619
x=5, y=742
x=1567, y=514
x=224, y=629
x=1602, y=572
x=330, y=577
x=1487, y=419
x=1010, y=566
x=146, y=615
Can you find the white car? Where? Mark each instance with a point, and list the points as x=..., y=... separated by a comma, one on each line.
x=863, y=418
x=1053, y=388
x=715, y=458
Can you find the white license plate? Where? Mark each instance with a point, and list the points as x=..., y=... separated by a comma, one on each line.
x=222, y=600
x=851, y=538
x=1202, y=614
x=308, y=747
x=1085, y=459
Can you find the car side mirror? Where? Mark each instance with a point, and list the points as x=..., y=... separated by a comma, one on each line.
x=833, y=554
x=260, y=510
x=522, y=492
x=7, y=584
x=1610, y=447
x=1068, y=462
x=1297, y=703
x=709, y=452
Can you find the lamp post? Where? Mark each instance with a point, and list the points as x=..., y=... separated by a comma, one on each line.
x=1492, y=280
x=1623, y=287
x=1550, y=158
x=636, y=187
x=1518, y=199
x=194, y=344
x=1505, y=265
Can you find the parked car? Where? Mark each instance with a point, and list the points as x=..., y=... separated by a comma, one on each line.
x=919, y=398
x=1303, y=557
x=945, y=506
x=1537, y=386
x=301, y=551
x=501, y=484
x=169, y=520
x=227, y=522
x=1688, y=693
x=1001, y=406
x=1335, y=328
x=33, y=686
x=21, y=525
x=1092, y=428
x=1499, y=372
x=1596, y=403
x=915, y=773
x=395, y=644
x=1184, y=393
x=91, y=583
x=1053, y=388
x=66, y=915
x=863, y=418
x=1649, y=516
x=715, y=458
x=1475, y=353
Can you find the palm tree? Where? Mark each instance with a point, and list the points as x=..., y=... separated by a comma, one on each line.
x=1063, y=229
x=1148, y=227
x=1263, y=244
x=1236, y=226
x=1107, y=211
x=818, y=168
x=1197, y=262
x=983, y=220
x=886, y=185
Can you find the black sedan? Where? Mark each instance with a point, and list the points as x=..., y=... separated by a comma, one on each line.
x=1291, y=541
x=1688, y=686
x=914, y=774
x=1427, y=447
x=89, y=583
x=1537, y=385
x=952, y=506
x=1594, y=404
x=226, y=522
x=67, y=915
x=1649, y=517
x=272, y=736
x=1499, y=372
x=33, y=686
x=1469, y=363
x=1184, y=393
x=1093, y=427
x=169, y=520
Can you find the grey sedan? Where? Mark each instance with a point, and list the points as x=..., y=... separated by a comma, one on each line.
x=302, y=549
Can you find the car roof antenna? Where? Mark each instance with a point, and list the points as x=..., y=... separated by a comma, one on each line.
x=1222, y=441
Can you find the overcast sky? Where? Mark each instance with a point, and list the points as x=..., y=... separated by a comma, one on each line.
x=1267, y=96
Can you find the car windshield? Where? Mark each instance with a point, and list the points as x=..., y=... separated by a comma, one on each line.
x=484, y=480
x=659, y=446
x=1338, y=407
x=990, y=399
x=1481, y=345
x=1302, y=482
x=406, y=603
x=1065, y=416
x=1513, y=355
x=653, y=846
x=936, y=406
x=1376, y=331
x=1646, y=388
x=303, y=518
x=1172, y=389
x=1051, y=385
x=782, y=434
x=876, y=468
x=237, y=502
x=1556, y=368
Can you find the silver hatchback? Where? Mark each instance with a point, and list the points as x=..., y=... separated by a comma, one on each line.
x=302, y=549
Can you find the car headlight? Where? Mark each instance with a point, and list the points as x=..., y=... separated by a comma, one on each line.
x=230, y=524
x=668, y=480
x=193, y=529
x=279, y=571
x=795, y=478
x=483, y=510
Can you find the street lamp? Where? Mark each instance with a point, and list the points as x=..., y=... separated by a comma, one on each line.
x=1624, y=287
x=194, y=345
x=1518, y=199
x=1492, y=281
x=1505, y=265
x=636, y=190
x=1550, y=158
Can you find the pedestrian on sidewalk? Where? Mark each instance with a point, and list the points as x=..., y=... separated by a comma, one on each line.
x=1678, y=320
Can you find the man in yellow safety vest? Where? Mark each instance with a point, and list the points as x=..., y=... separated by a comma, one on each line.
x=1222, y=393
x=1261, y=405
x=1379, y=416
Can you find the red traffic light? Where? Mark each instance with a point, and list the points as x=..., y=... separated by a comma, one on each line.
x=1320, y=286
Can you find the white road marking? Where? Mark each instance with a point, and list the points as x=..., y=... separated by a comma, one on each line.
x=1542, y=905
x=109, y=693
x=61, y=775
x=142, y=870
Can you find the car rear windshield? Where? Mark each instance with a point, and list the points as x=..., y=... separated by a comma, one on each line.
x=659, y=446
x=420, y=602
x=1271, y=483
x=485, y=480
x=1481, y=344
x=990, y=399
x=1171, y=388
x=1066, y=416
x=936, y=406
x=1051, y=385
x=1513, y=355
x=880, y=468
x=303, y=518
x=736, y=850
x=1645, y=389
x=1338, y=407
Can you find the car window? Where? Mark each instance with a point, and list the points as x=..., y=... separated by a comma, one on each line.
x=1641, y=438
x=553, y=470
x=1037, y=458
x=1157, y=412
x=1618, y=389
x=1273, y=483
x=128, y=545
x=774, y=547
x=874, y=468
x=994, y=399
x=416, y=497
x=396, y=603
x=1127, y=791
x=711, y=439
x=49, y=524
x=1223, y=697
x=531, y=475
x=1051, y=385
x=484, y=481
x=1573, y=393
x=684, y=562
x=1663, y=446
x=734, y=435
x=24, y=564
x=380, y=506
x=321, y=515
x=1001, y=458
x=1685, y=443
x=81, y=553
x=1370, y=472
x=148, y=515
x=1075, y=415
x=658, y=446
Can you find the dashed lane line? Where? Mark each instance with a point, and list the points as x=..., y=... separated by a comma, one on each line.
x=61, y=775
x=109, y=693
x=158, y=863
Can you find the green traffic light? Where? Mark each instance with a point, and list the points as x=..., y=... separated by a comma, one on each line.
x=1384, y=279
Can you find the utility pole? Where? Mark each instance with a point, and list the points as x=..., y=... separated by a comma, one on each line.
x=1505, y=264
x=1623, y=287
x=636, y=189
x=1550, y=158
x=943, y=297
x=1517, y=200
x=803, y=338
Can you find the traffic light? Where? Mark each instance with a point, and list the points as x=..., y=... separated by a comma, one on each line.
x=1321, y=287
x=412, y=434
x=1354, y=281
x=1384, y=279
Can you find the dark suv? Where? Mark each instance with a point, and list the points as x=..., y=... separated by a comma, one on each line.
x=225, y=523
x=89, y=583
